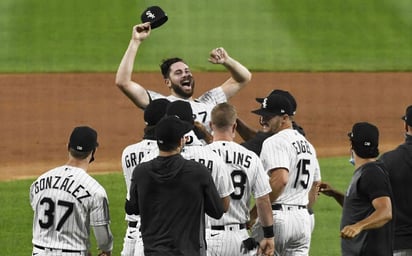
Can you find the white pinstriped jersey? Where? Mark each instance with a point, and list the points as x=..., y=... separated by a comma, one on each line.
x=66, y=201
x=194, y=150
x=290, y=150
x=131, y=157
x=248, y=177
x=201, y=106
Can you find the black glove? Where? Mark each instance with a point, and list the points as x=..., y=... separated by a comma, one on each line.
x=248, y=245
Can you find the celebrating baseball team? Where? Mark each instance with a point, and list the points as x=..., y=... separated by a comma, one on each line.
x=192, y=190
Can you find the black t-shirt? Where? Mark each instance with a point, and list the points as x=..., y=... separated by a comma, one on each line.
x=370, y=181
x=172, y=195
x=398, y=163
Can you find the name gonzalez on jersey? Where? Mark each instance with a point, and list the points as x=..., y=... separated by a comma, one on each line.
x=58, y=182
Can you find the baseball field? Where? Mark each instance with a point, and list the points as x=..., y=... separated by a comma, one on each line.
x=344, y=61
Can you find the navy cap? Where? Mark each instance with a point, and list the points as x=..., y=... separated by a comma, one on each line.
x=408, y=115
x=171, y=129
x=287, y=94
x=155, y=15
x=365, y=139
x=83, y=139
x=274, y=104
x=155, y=111
x=182, y=109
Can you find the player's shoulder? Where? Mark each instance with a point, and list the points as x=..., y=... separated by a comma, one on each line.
x=213, y=96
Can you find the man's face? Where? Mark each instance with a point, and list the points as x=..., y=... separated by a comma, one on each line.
x=271, y=123
x=181, y=80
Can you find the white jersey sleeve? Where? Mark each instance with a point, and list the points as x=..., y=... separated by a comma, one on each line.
x=66, y=201
x=290, y=150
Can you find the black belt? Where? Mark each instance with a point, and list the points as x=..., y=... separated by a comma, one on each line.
x=132, y=224
x=280, y=207
x=63, y=250
x=241, y=226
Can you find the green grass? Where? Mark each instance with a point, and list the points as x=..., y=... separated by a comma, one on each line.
x=272, y=35
x=16, y=214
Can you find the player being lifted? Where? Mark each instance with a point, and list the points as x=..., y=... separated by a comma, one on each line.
x=179, y=78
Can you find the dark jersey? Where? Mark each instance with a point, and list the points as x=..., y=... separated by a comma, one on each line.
x=398, y=163
x=370, y=181
x=172, y=195
x=255, y=144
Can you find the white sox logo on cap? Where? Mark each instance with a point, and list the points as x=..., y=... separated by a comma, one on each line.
x=150, y=15
x=264, y=103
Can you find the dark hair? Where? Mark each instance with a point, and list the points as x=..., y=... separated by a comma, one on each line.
x=165, y=66
x=78, y=154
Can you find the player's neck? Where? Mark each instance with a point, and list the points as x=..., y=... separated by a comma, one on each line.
x=223, y=136
x=180, y=96
x=361, y=161
x=83, y=164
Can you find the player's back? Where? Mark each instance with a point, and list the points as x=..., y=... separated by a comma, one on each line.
x=66, y=201
x=212, y=161
x=132, y=155
x=248, y=178
x=289, y=149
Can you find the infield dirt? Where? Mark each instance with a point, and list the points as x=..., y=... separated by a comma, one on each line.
x=38, y=112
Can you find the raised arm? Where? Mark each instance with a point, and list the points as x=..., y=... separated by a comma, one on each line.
x=240, y=75
x=134, y=91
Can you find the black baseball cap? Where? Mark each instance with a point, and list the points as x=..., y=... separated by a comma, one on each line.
x=408, y=116
x=83, y=139
x=287, y=94
x=170, y=129
x=182, y=109
x=274, y=104
x=365, y=139
x=155, y=15
x=155, y=111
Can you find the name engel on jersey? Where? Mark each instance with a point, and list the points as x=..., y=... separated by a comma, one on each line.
x=65, y=184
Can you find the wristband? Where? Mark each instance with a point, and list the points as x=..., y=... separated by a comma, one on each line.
x=268, y=232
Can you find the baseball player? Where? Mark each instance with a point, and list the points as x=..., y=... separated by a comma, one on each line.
x=66, y=201
x=249, y=178
x=131, y=157
x=290, y=161
x=179, y=79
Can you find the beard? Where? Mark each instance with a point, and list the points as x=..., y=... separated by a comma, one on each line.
x=177, y=88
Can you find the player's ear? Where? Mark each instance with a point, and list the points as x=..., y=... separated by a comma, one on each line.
x=234, y=127
x=168, y=83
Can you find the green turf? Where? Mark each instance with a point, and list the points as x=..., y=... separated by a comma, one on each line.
x=274, y=35
x=16, y=214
